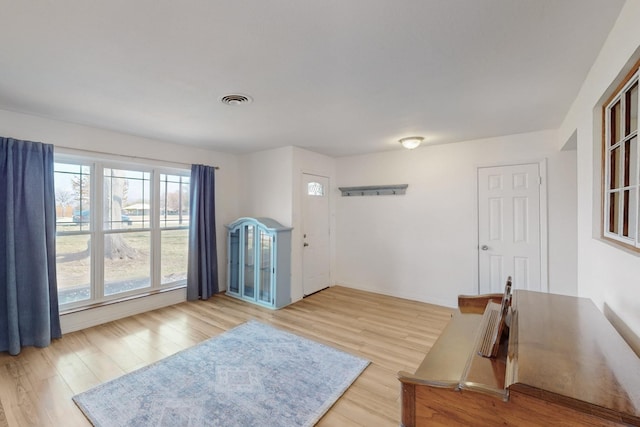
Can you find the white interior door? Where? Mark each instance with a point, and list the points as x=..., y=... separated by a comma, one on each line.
x=509, y=227
x=315, y=232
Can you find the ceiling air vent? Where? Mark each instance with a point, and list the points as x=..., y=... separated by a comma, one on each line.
x=235, y=99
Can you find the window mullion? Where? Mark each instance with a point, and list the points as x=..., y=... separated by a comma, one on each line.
x=607, y=170
x=97, y=232
x=637, y=214
x=155, y=230
x=636, y=237
x=621, y=207
x=607, y=174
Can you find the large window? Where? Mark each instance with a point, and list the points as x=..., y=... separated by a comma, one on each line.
x=621, y=161
x=122, y=230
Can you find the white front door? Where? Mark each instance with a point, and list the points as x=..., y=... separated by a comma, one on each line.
x=509, y=227
x=315, y=232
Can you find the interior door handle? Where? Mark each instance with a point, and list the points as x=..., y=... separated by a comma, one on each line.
x=305, y=244
x=484, y=247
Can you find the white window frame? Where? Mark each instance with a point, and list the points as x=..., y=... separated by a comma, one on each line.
x=97, y=231
x=630, y=241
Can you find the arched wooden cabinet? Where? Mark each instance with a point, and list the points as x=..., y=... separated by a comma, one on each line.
x=259, y=261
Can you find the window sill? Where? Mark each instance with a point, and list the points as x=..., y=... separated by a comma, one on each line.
x=631, y=250
x=119, y=300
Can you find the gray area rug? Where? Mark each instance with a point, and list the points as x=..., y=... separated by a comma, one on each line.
x=252, y=375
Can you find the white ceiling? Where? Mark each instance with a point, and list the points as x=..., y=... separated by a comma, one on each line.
x=338, y=77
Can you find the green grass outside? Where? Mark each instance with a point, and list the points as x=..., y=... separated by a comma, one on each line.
x=73, y=261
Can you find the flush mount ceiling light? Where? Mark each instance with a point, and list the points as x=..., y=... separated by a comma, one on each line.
x=411, y=142
x=235, y=99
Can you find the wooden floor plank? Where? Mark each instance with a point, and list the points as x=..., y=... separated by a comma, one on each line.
x=394, y=334
x=3, y=418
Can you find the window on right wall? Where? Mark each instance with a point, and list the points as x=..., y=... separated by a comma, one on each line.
x=621, y=171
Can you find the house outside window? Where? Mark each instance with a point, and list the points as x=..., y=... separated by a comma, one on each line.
x=621, y=179
x=121, y=229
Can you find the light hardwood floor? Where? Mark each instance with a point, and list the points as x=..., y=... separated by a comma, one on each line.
x=394, y=334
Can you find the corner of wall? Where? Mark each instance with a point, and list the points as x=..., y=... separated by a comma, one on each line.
x=571, y=144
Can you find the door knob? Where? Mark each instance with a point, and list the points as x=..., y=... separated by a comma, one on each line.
x=484, y=247
x=305, y=244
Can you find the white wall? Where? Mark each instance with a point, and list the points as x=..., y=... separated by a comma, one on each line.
x=270, y=187
x=265, y=188
x=607, y=275
x=62, y=134
x=423, y=245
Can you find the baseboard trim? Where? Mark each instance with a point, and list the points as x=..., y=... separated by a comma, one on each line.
x=433, y=301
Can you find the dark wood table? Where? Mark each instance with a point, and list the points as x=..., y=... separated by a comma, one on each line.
x=563, y=364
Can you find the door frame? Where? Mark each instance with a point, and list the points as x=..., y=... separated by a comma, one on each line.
x=544, y=213
x=304, y=172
